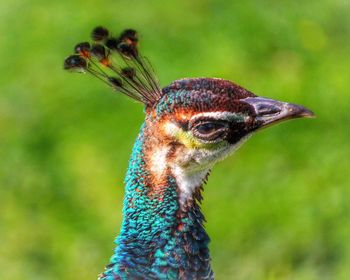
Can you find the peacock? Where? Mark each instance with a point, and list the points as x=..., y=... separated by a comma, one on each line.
x=189, y=126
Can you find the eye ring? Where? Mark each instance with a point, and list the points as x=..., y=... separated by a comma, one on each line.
x=210, y=131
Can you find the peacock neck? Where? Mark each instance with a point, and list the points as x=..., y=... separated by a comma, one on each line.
x=159, y=239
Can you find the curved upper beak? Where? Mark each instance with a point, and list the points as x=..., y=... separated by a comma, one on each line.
x=269, y=111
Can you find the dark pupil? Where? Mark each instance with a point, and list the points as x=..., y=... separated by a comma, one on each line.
x=207, y=128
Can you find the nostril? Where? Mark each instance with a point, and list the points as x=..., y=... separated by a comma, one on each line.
x=267, y=109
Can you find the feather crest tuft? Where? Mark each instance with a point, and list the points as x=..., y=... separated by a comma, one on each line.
x=117, y=62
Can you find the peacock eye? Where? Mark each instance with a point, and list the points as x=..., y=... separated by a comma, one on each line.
x=210, y=130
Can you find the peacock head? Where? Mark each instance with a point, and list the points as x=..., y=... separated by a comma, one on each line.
x=201, y=121
x=190, y=124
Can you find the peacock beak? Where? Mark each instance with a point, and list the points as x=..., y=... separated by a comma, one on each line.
x=269, y=111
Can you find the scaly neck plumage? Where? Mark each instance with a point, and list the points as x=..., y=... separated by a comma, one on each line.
x=159, y=239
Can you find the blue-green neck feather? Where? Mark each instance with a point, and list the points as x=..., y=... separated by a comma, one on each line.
x=158, y=240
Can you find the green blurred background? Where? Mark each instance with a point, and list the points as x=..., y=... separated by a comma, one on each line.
x=278, y=209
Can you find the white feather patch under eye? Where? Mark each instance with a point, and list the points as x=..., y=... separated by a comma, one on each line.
x=191, y=168
x=170, y=128
x=159, y=161
x=192, y=164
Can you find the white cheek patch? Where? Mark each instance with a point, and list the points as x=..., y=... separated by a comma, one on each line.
x=171, y=129
x=158, y=161
x=191, y=169
x=192, y=164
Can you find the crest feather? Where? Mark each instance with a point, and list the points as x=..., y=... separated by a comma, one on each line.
x=117, y=62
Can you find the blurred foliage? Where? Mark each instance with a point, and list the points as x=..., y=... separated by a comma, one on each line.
x=278, y=209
